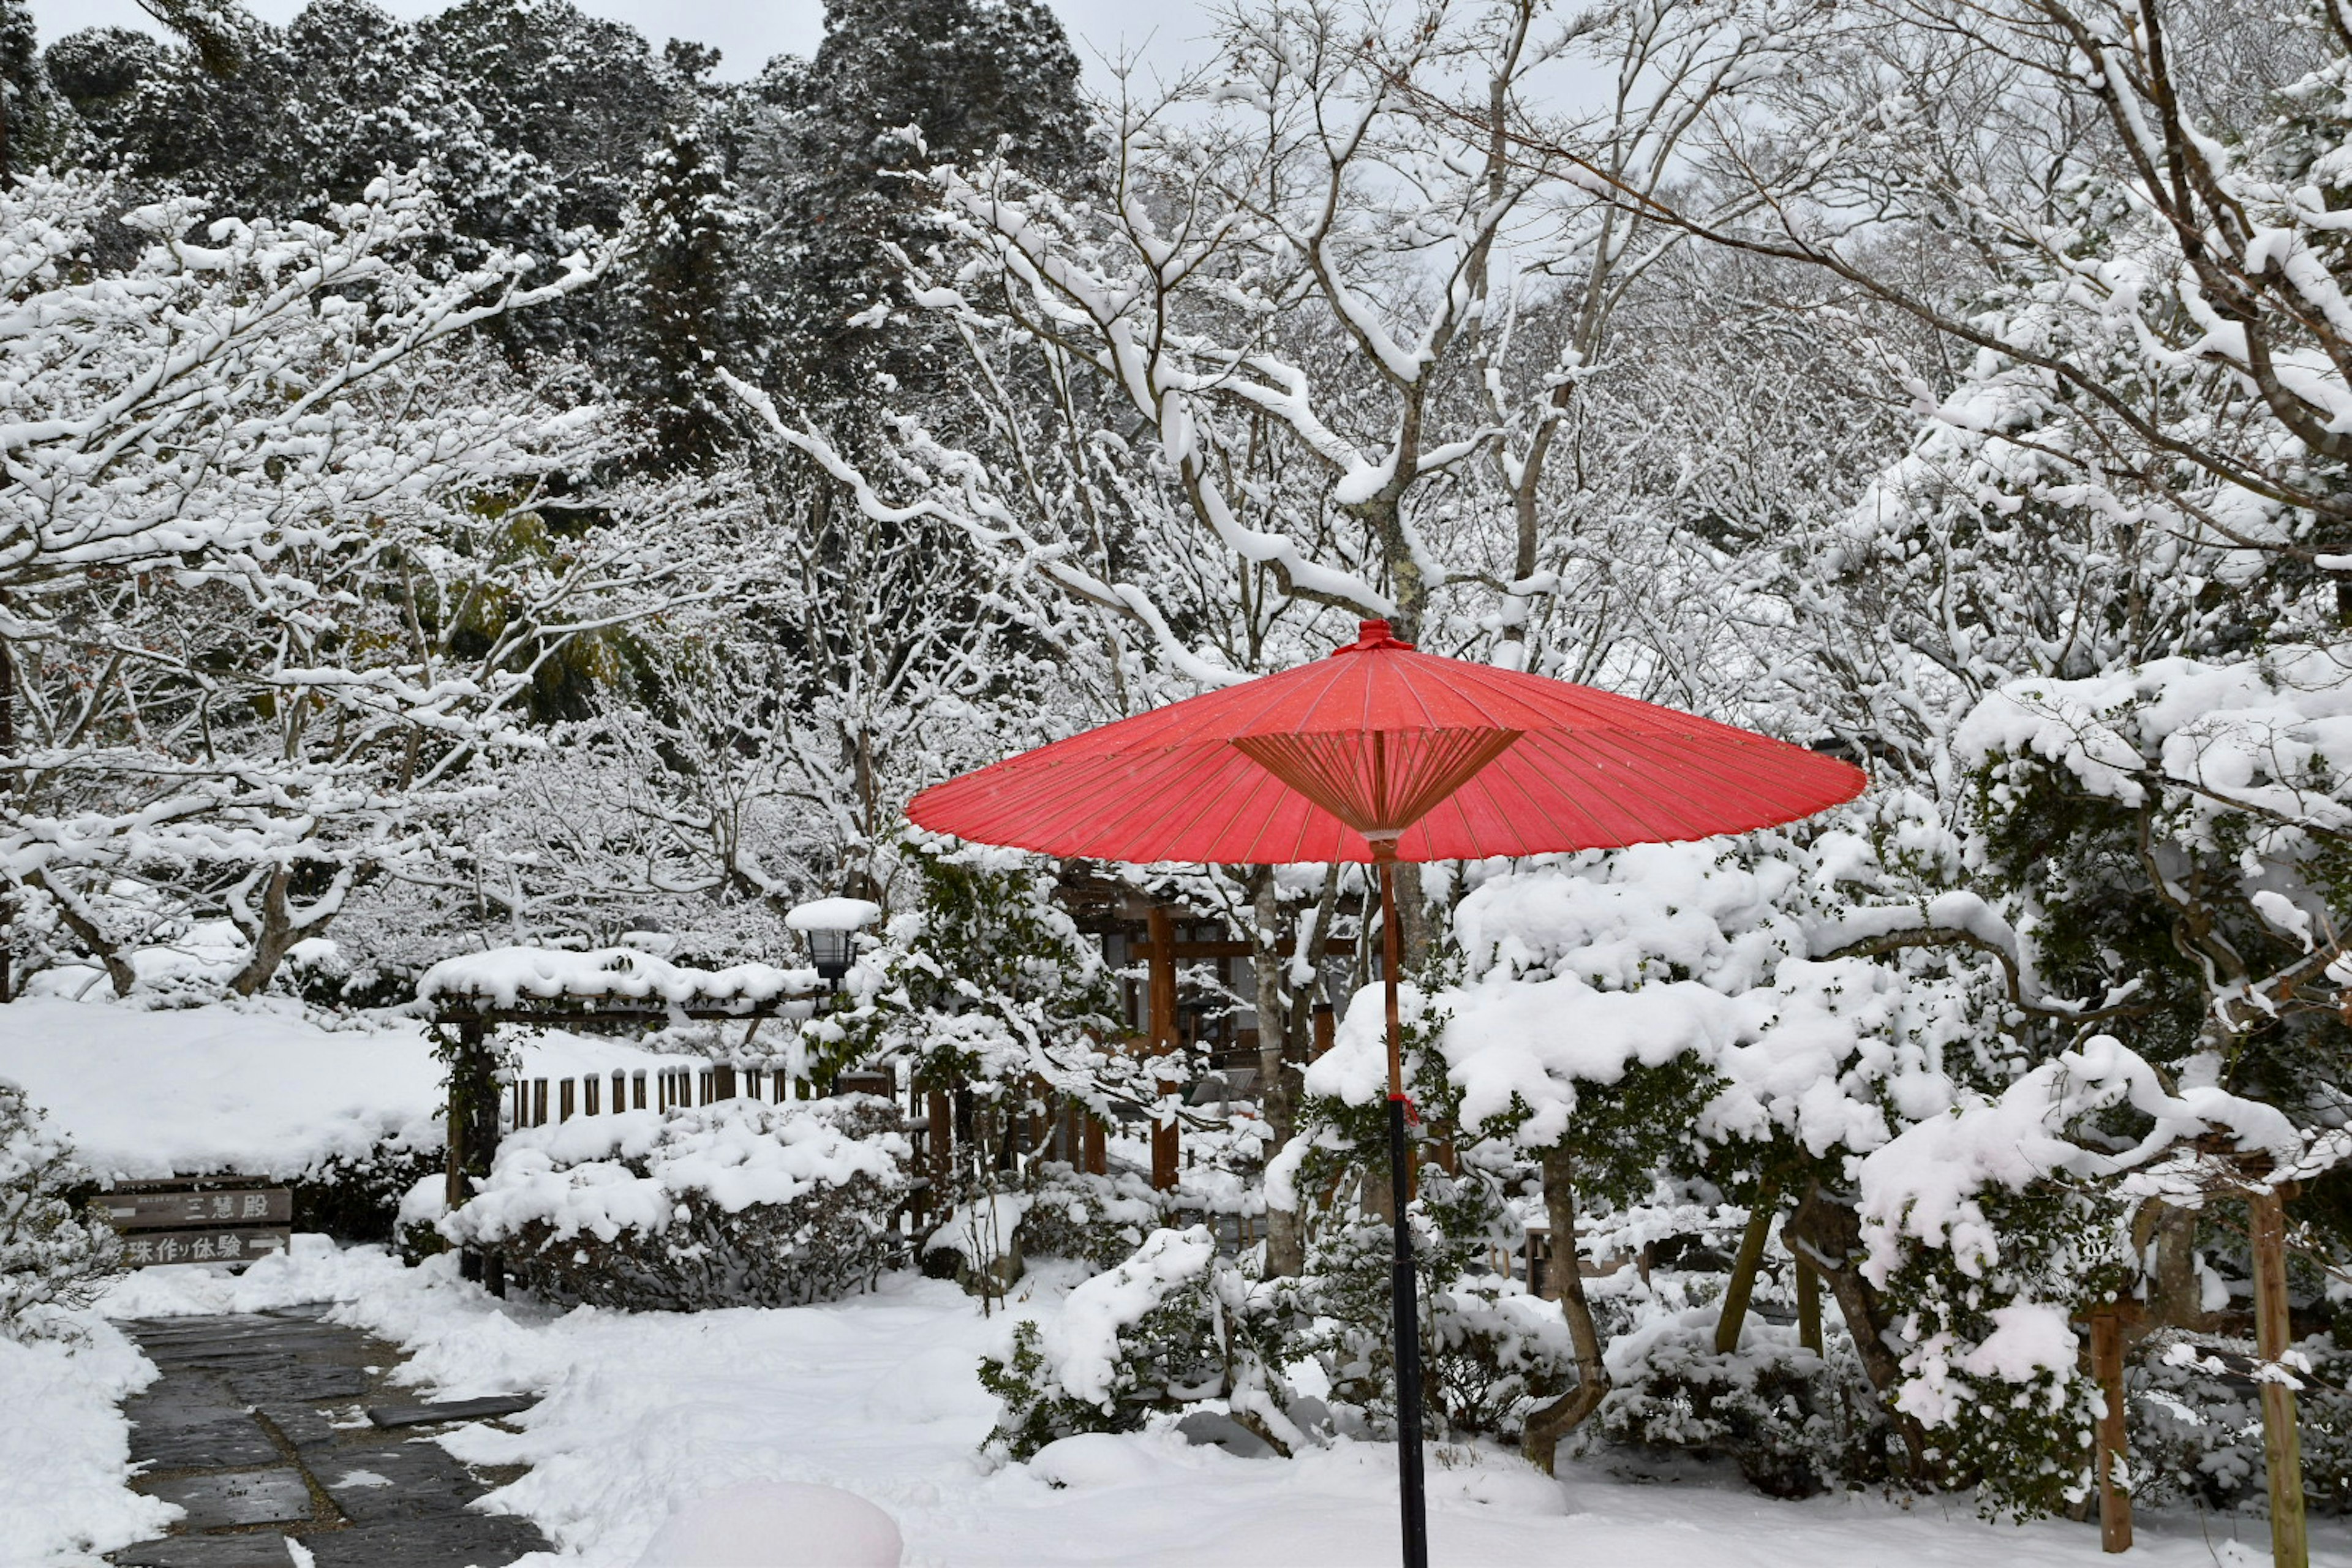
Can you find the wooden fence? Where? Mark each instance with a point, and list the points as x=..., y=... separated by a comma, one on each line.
x=535, y=1101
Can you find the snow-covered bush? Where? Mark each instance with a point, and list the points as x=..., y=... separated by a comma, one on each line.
x=53, y=1252
x=736, y=1202
x=1171, y=1326
x=1092, y=1219
x=1794, y=1422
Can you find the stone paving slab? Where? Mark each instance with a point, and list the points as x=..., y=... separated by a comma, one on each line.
x=251, y=1550
x=279, y=1496
x=451, y=1410
x=465, y=1540
x=305, y=1426
x=410, y=1480
x=300, y=1382
x=171, y=1433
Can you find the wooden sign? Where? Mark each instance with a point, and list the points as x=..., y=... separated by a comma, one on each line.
x=231, y=1220
x=180, y=1211
x=150, y=1248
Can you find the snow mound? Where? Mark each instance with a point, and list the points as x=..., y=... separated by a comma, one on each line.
x=258, y=1088
x=776, y=1524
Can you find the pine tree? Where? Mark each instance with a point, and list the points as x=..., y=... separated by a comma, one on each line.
x=681, y=312
x=969, y=77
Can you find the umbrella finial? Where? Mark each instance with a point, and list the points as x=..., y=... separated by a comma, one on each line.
x=1370, y=634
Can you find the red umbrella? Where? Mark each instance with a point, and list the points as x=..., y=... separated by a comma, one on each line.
x=1383, y=753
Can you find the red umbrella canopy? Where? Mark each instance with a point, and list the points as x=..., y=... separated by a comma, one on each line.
x=1457, y=760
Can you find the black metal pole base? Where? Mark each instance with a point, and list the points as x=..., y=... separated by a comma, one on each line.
x=1412, y=1509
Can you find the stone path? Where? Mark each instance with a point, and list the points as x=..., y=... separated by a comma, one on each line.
x=276, y=1426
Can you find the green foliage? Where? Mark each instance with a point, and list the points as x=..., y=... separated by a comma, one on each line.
x=1036, y=1412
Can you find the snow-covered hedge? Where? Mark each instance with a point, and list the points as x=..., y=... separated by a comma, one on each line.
x=733, y=1204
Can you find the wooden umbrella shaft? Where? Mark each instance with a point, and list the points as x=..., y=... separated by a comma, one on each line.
x=1412, y=1511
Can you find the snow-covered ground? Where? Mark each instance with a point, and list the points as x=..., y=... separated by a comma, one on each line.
x=645, y=1413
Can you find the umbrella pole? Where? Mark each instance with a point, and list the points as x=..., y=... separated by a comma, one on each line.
x=1412, y=1511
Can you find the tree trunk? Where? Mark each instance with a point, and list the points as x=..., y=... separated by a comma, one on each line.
x=1546, y=1425
x=1278, y=1021
x=1829, y=1237
x=271, y=939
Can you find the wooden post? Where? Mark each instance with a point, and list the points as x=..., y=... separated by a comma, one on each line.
x=1096, y=1153
x=620, y=1091
x=2108, y=1368
x=564, y=1099
x=722, y=1082
x=1743, y=1270
x=476, y=1102
x=538, y=1102
x=591, y=1090
x=638, y=1088
x=1809, y=1304
x=2282, y=1445
x=1325, y=1028
x=941, y=1116
x=1162, y=1024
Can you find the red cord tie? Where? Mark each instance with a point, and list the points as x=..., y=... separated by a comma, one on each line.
x=1411, y=1112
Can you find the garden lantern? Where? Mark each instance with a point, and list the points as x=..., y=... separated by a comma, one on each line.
x=832, y=926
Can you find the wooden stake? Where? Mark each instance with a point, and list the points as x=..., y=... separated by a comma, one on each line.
x=563, y=1094
x=1809, y=1304
x=1743, y=1270
x=2282, y=1446
x=2108, y=1367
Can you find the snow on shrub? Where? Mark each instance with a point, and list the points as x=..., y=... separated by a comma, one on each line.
x=1090, y=1219
x=1170, y=1327
x=53, y=1252
x=1787, y=1417
x=733, y=1204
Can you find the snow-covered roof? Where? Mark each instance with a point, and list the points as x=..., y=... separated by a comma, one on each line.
x=507, y=976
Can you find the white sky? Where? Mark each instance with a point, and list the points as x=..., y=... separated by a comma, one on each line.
x=747, y=32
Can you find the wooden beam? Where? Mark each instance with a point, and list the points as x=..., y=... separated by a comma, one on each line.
x=1336, y=947
x=576, y=1015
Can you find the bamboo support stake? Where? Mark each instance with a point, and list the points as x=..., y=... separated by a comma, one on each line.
x=2282, y=1447
x=1743, y=1270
